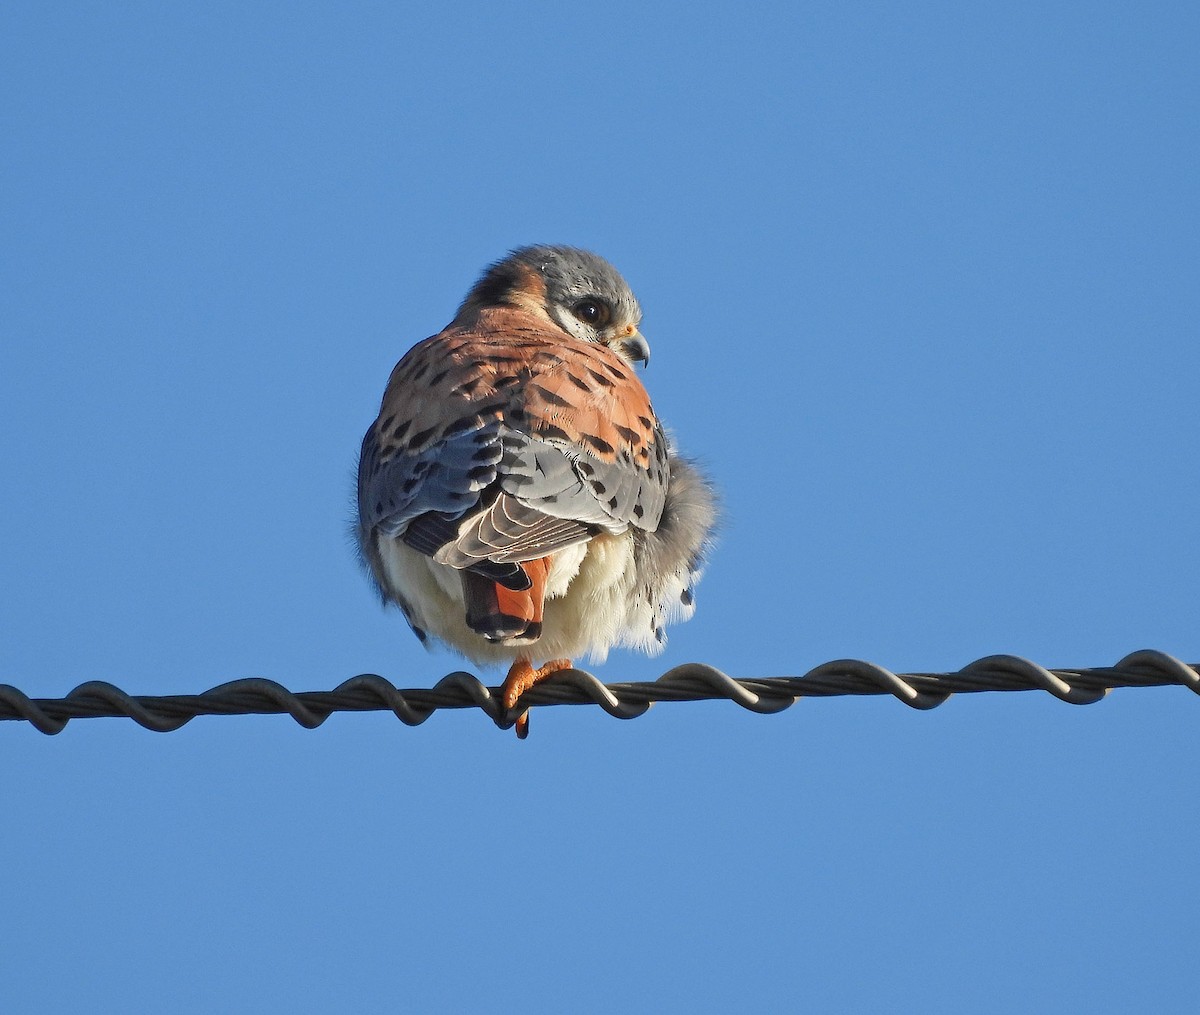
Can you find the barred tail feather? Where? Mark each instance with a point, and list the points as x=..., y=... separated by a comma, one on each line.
x=502, y=614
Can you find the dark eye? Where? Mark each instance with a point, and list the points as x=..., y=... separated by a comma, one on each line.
x=593, y=312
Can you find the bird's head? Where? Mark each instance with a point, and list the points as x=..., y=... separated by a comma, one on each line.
x=574, y=290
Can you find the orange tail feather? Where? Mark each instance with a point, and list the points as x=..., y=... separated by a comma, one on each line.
x=499, y=613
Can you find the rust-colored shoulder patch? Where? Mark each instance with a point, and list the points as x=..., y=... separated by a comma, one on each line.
x=510, y=364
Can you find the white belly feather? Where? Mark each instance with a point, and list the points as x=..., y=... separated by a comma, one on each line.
x=591, y=602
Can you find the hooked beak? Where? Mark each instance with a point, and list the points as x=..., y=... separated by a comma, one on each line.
x=634, y=347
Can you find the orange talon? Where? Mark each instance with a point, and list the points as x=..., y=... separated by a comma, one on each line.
x=521, y=677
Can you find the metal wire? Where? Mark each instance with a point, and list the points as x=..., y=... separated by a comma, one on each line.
x=690, y=682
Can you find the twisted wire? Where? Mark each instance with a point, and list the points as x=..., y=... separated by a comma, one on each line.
x=689, y=682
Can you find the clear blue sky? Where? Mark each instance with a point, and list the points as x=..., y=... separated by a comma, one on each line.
x=923, y=288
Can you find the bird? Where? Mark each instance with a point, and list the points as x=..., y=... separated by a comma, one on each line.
x=517, y=493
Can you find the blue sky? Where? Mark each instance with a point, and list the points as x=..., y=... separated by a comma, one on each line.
x=922, y=290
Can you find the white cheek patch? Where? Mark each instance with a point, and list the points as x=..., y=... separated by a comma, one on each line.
x=572, y=325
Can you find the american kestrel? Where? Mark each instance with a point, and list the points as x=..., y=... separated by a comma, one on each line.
x=517, y=493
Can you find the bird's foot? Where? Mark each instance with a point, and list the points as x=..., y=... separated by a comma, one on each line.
x=521, y=677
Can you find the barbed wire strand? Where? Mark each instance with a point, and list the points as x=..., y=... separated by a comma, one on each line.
x=689, y=682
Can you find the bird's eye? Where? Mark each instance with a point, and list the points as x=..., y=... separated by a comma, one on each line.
x=592, y=312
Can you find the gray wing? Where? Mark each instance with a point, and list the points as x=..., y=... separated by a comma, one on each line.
x=445, y=477
x=508, y=452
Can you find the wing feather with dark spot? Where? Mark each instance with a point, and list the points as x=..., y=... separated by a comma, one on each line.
x=507, y=440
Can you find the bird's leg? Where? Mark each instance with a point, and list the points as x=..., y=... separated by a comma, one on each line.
x=521, y=677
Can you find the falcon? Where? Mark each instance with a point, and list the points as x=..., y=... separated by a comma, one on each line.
x=517, y=494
